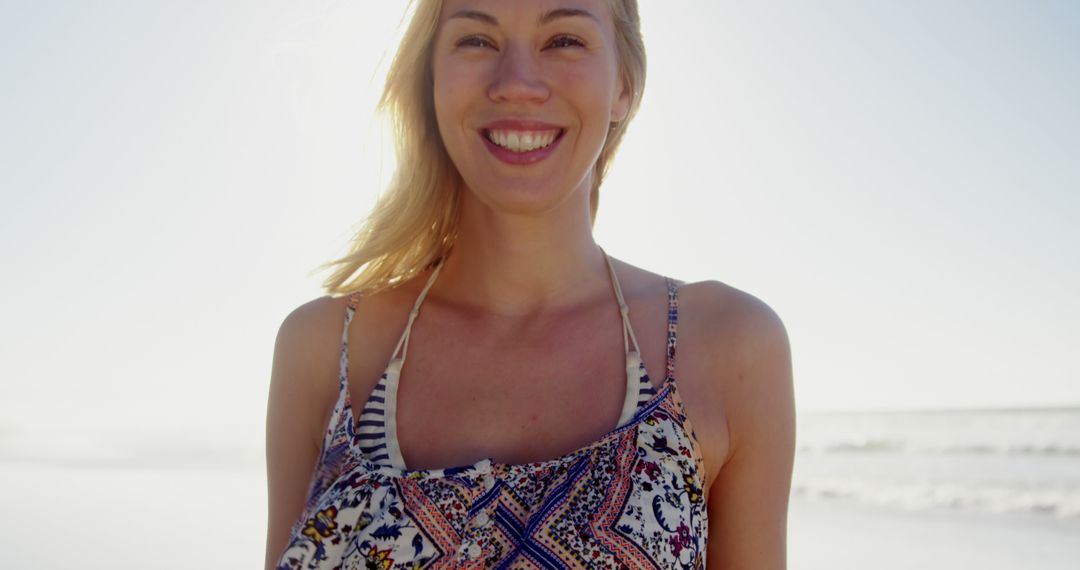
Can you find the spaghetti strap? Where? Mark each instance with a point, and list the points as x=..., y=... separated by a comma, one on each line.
x=672, y=327
x=343, y=367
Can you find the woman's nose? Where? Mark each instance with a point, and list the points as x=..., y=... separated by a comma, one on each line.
x=518, y=77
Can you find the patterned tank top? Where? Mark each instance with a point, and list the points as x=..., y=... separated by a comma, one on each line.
x=632, y=499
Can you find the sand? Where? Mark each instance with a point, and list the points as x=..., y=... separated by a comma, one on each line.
x=838, y=537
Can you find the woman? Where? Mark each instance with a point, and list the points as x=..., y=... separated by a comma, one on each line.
x=494, y=445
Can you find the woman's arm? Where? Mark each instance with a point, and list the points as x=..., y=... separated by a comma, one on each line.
x=748, y=500
x=305, y=342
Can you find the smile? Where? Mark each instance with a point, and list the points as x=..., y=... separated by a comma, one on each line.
x=522, y=141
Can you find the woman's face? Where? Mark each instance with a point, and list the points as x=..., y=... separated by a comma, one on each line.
x=524, y=93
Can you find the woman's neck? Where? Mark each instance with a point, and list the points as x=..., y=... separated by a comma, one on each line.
x=516, y=265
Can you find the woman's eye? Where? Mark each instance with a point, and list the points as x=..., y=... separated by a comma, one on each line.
x=475, y=41
x=566, y=41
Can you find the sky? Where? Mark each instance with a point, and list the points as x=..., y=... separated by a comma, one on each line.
x=898, y=180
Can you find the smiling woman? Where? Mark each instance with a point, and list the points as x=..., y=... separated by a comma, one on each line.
x=511, y=86
x=521, y=433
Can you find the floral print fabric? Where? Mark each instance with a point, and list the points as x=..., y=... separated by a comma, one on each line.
x=633, y=499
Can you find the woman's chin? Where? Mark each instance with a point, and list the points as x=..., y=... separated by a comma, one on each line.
x=520, y=198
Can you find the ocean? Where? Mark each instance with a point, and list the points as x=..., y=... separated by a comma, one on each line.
x=1004, y=463
x=985, y=489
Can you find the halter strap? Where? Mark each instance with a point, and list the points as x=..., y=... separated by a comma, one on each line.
x=624, y=309
x=403, y=342
x=628, y=331
x=376, y=431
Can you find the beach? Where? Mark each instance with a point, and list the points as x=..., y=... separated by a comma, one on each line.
x=867, y=493
x=65, y=518
x=828, y=536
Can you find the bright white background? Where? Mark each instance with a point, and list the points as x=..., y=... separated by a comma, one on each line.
x=897, y=179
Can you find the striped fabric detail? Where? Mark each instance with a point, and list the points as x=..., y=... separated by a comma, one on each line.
x=646, y=391
x=371, y=432
x=371, y=429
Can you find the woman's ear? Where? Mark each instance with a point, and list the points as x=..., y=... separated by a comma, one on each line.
x=621, y=107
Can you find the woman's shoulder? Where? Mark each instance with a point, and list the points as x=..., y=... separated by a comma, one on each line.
x=739, y=339
x=311, y=333
x=307, y=343
x=742, y=323
x=323, y=317
x=311, y=323
x=721, y=326
x=744, y=356
x=716, y=312
x=733, y=358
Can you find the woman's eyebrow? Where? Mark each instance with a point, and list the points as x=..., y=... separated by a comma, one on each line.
x=545, y=18
x=475, y=15
x=550, y=16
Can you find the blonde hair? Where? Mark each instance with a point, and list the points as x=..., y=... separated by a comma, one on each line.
x=414, y=222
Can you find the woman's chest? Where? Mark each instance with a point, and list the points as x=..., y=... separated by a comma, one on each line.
x=515, y=403
x=548, y=390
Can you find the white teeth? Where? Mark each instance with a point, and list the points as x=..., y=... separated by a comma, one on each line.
x=522, y=141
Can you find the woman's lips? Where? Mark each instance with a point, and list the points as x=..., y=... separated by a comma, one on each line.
x=510, y=156
x=521, y=142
